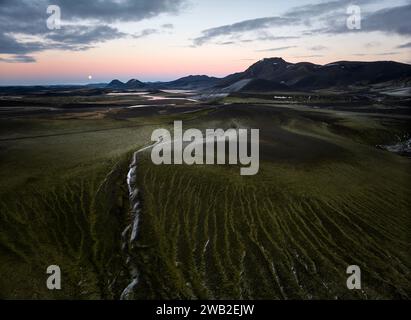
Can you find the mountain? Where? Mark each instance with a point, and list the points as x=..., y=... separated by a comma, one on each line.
x=116, y=84
x=135, y=84
x=277, y=74
x=264, y=85
x=196, y=82
x=129, y=85
x=191, y=82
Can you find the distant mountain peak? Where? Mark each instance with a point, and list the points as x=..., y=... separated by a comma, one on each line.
x=274, y=59
x=115, y=82
x=133, y=81
x=195, y=76
x=265, y=68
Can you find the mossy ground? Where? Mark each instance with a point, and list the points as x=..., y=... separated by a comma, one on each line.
x=324, y=198
x=321, y=201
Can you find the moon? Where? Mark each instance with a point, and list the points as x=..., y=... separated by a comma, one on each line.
x=90, y=77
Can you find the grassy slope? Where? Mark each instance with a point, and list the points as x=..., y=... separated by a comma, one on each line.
x=323, y=199
x=63, y=201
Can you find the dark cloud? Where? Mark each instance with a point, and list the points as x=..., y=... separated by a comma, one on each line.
x=311, y=11
x=405, y=45
x=226, y=43
x=73, y=38
x=78, y=36
x=18, y=59
x=276, y=49
x=241, y=27
x=328, y=17
x=296, y=16
x=145, y=33
x=84, y=23
x=115, y=10
x=393, y=20
x=164, y=29
x=9, y=45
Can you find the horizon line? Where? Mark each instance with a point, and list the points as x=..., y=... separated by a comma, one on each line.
x=57, y=84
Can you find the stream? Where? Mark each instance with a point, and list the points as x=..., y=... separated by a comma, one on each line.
x=135, y=205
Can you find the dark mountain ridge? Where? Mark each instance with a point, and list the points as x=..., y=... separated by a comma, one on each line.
x=276, y=74
x=306, y=76
x=192, y=82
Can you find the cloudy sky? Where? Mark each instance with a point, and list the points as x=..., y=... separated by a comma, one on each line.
x=165, y=39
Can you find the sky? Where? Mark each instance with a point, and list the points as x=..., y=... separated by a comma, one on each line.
x=160, y=40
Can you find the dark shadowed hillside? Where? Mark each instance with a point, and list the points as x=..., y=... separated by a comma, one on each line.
x=304, y=75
